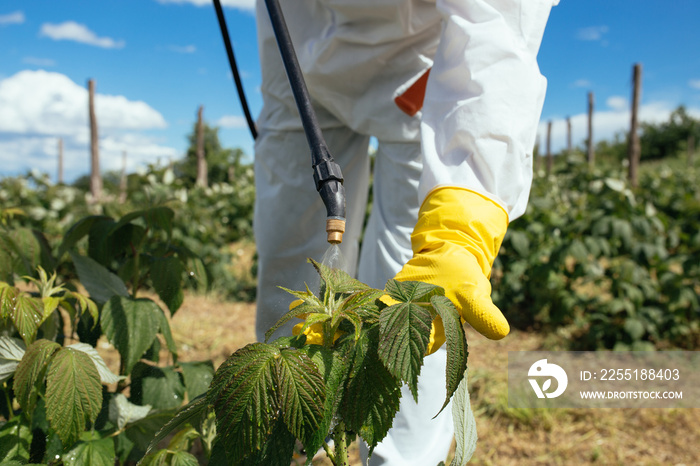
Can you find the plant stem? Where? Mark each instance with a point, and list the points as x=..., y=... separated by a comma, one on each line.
x=340, y=437
x=135, y=274
x=8, y=400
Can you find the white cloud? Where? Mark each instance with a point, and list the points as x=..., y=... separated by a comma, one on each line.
x=70, y=30
x=583, y=83
x=38, y=107
x=183, y=49
x=240, y=4
x=617, y=103
x=232, y=121
x=16, y=17
x=36, y=61
x=606, y=124
x=592, y=33
x=694, y=83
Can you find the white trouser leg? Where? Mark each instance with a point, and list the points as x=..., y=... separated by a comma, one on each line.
x=290, y=218
x=415, y=438
x=386, y=245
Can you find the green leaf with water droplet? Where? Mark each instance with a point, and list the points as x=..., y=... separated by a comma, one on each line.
x=160, y=387
x=73, y=394
x=456, y=342
x=277, y=450
x=8, y=299
x=404, y=336
x=29, y=376
x=95, y=452
x=15, y=441
x=131, y=326
x=166, y=275
x=27, y=314
x=106, y=375
x=244, y=399
x=192, y=413
x=198, y=376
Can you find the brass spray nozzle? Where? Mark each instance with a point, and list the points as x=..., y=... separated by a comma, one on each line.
x=335, y=228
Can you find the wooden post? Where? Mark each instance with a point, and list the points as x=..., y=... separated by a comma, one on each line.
x=591, y=151
x=550, y=158
x=633, y=146
x=95, y=178
x=568, y=135
x=60, y=161
x=122, y=180
x=201, y=160
x=691, y=150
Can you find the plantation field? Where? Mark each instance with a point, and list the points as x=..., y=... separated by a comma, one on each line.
x=210, y=328
x=163, y=286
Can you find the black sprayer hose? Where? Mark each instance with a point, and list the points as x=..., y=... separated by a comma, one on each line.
x=327, y=174
x=234, y=68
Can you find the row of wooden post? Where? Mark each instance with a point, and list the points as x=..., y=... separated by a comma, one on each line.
x=95, y=174
x=633, y=146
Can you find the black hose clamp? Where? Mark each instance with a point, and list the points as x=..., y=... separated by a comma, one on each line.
x=326, y=170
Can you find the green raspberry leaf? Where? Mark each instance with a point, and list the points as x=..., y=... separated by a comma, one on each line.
x=131, y=326
x=371, y=396
x=406, y=292
x=73, y=394
x=456, y=344
x=302, y=393
x=404, y=334
x=166, y=275
x=244, y=399
x=96, y=452
x=29, y=376
x=336, y=280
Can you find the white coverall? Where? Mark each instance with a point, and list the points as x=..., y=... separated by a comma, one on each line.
x=476, y=130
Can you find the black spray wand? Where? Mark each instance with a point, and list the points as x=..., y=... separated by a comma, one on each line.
x=327, y=174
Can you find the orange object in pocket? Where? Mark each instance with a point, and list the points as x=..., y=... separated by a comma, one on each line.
x=411, y=101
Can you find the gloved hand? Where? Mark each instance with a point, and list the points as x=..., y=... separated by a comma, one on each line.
x=455, y=242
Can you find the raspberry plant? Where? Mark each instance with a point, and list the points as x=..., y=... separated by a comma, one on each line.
x=343, y=382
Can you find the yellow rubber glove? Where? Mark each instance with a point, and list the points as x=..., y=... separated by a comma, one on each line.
x=314, y=332
x=455, y=242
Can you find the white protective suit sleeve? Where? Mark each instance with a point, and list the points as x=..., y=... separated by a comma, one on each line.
x=484, y=98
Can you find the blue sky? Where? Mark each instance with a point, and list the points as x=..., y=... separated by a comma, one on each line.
x=156, y=61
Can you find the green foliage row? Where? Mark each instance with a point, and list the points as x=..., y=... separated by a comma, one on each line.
x=60, y=402
x=601, y=265
x=206, y=220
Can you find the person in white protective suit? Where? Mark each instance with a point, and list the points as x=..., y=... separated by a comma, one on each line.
x=447, y=179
